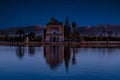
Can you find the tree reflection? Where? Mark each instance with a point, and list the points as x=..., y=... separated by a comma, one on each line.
x=57, y=55
x=67, y=55
x=54, y=55
x=74, y=58
x=20, y=51
x=31, y=50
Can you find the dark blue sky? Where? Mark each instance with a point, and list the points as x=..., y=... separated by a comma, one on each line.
x=84, y=12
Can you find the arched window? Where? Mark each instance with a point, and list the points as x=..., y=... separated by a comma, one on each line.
x=54, y=39
x=54, y=31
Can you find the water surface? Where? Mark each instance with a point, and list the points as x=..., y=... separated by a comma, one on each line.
x=59, y=63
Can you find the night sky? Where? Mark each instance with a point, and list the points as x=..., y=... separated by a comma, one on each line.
x=84, y=12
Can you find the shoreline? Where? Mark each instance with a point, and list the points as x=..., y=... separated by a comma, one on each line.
x=104, y=44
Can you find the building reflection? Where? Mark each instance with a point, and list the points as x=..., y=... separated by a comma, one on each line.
x=20, y=51
x=56, y=55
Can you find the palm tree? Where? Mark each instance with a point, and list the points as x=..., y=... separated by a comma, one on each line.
x=74, y=30
x=21, y=34
x=31, y=35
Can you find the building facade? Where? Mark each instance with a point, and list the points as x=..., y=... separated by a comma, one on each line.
x=54, y=31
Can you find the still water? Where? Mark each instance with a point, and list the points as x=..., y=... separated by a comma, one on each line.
x=59, y=63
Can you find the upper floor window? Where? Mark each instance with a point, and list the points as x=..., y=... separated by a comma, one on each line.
x=54, y=31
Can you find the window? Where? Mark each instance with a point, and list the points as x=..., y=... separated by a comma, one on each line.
x=51, y=39
x=54, y=31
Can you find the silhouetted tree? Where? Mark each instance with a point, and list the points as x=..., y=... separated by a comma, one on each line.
x=75, y=34
x=44, y=33
x=21, y=34
x=31, y=35
x=67, y=29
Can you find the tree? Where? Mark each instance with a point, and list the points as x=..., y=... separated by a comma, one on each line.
x=21, y=34
x=31, y=35
x=75, y=34
x=67, y=29
x=44, y=32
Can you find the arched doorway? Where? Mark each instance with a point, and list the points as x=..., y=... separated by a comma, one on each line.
x=54, y=39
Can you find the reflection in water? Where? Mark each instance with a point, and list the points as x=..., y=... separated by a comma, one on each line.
x=57, y=55
x=81, y=63
x=54, y=55
x=67, y=56
x=73, y=58
x=20, y=51
x=31, y=50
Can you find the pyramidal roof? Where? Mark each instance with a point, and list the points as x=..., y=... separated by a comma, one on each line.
x=53, y=21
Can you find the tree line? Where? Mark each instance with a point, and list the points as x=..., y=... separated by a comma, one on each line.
x=70, y=34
